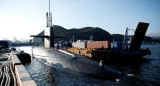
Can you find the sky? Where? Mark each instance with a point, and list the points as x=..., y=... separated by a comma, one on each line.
x=22, y=18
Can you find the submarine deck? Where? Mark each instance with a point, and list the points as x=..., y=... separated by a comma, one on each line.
x=75, y=63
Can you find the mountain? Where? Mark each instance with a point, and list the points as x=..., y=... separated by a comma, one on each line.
x=118, y=37
x=41, y=33
x=147, y=39
x=155, y=36
x=85, y=33
x=98, y=34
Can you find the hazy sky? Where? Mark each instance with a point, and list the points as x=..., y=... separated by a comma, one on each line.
x=22, y=18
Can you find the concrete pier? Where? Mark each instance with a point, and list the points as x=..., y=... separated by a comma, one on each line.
x=22, y=76
x=12, y=71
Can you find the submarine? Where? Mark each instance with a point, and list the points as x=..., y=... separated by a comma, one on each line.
x=76, y=64
x=70, y=61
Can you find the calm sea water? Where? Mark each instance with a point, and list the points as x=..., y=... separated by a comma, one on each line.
x=146, y=73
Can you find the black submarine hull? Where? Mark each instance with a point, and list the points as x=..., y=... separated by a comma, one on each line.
x=80, y=64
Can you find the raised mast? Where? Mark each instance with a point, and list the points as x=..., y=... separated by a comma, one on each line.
x=49, y=17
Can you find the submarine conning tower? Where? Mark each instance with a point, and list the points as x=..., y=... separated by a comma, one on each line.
x=49, y=42
x=138, y=36
x=49, y=35
x=49, y=31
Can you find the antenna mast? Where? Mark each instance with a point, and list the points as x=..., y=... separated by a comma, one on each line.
x=49, y=17
x=49, y=6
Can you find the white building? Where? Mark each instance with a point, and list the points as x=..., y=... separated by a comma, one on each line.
x=38, y=40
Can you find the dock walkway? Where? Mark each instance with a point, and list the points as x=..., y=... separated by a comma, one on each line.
x=12, y=71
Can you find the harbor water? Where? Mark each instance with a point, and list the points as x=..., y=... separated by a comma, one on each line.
x=146, y=73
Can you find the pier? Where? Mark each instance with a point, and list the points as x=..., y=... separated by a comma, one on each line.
x=12, y=71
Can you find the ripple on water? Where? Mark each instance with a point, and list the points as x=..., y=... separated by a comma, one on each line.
x=41, y=73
